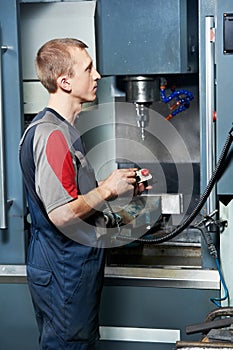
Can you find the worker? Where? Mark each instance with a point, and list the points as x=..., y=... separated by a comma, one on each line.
x=65, y=262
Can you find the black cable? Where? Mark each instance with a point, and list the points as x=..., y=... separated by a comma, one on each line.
x=208, y=240
x=213, y=252
x=199, y=206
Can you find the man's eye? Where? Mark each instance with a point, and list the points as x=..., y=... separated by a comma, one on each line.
x=88, y=69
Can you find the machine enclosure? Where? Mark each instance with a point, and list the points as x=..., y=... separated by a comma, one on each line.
x=128, y=32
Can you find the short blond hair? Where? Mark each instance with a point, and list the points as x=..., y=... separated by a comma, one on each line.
x=55, y=58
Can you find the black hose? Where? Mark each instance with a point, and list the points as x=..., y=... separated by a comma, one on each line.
x=215, y=177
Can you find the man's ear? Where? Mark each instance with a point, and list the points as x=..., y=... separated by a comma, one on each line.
x=64, y=83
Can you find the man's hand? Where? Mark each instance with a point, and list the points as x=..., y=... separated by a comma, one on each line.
x=120, y=182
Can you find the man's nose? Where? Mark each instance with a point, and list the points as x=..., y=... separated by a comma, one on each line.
x=97, y=76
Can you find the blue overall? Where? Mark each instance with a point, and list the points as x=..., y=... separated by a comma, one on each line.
x=65, y=278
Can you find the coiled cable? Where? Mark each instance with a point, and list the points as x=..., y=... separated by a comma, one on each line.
x=215, y=177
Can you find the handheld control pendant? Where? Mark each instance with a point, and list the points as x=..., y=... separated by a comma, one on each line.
x=143, y=175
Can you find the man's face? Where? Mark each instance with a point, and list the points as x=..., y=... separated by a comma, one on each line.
x=84, y=81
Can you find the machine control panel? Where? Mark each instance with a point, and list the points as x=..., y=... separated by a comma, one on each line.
x=143, y=175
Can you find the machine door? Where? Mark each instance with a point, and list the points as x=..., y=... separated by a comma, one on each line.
x=11, y=189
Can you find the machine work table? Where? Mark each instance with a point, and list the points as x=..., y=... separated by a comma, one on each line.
x=158, y=277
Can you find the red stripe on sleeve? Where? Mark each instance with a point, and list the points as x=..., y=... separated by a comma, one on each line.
x=60, y=160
